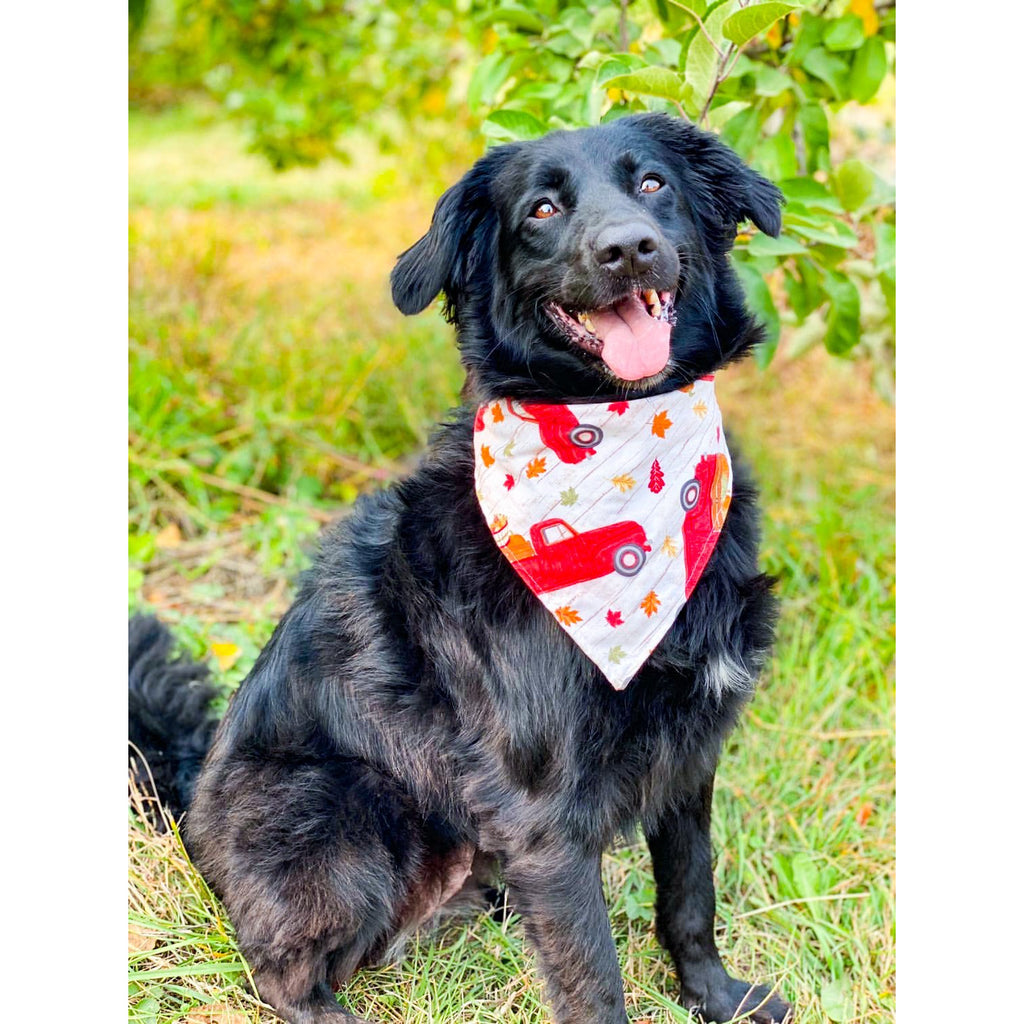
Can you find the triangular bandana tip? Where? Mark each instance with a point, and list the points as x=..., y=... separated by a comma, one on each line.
x=608, y=512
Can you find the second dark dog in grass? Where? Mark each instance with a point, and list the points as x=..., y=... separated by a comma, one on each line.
x=420, y=725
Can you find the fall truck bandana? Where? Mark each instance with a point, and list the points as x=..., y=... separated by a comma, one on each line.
x=608, y=512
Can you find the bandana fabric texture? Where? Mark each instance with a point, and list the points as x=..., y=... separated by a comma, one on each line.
x=608, y=512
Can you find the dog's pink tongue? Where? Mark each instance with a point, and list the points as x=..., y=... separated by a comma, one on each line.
x=636, y=345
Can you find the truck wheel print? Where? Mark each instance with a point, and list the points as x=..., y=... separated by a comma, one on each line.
x=629, y=559
x=586, y=436
x=690, y=494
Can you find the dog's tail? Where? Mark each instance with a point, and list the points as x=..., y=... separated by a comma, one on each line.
x=170, y=722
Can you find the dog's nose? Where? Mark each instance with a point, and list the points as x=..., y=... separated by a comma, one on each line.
x=626, y=250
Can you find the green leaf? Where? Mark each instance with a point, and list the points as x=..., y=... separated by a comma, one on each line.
x=618, y=64
x=219, y=968
x=569, y=496
x=517, y=17
x=742, y=132
x=741, y=26
x=845, y=33
x=837, y=1000
x=842, y=325
x=702, y=59
x=649, y=81
x=769, y=81
x=605, y=20
x=664, y=51
x=809, y=193
x=868, y=71
x=775, y=157
x=718, y=116
x=488, y=77
x=854, y=182
x=826, y=66
x=814, y=124
x=885, y=246
x=765, y=245
x=803, y=288
x=806, y=879
x=835, y=233
x=141, y=547
x=515, y=123
x=759, y=301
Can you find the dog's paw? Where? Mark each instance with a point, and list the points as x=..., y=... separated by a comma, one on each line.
x=737, y=1000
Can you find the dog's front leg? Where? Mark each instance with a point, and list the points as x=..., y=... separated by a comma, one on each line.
x=680, y=847
x=558, y=892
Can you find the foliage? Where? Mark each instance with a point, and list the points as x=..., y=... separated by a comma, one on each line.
x=301, y=72
x=769, y=77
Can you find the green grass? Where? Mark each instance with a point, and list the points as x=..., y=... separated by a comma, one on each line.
x=271, y=382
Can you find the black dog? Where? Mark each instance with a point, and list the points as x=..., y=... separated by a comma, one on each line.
x=418, y=723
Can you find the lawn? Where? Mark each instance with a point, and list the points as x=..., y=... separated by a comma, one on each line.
x=272, y=381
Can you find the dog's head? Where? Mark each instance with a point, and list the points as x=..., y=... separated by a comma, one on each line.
x=593, y=262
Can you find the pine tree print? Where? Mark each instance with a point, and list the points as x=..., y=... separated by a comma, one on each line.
x=657, y=481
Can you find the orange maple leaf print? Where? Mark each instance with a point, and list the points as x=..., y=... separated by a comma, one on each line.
x=496, y=414
x=536, y=466
x=568, y=616
x=660, y=424
x=650, y=604
x=485, y=454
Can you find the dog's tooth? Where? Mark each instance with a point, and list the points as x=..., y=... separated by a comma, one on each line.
x=588, y=324
x=652, y=300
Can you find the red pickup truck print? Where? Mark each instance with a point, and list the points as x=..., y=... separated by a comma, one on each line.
x=563, y=557
x=569, y=439
x=705, y=499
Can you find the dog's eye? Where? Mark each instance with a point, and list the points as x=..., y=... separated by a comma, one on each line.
x=544, y=209
x=651, y=184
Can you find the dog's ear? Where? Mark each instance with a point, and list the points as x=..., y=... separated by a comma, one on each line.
x=433, y=263
x=462, y=232
x=735, y=191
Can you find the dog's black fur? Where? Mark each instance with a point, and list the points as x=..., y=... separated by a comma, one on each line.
x=418, y=719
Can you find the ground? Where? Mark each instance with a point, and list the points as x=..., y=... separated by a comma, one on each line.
x=272, y=381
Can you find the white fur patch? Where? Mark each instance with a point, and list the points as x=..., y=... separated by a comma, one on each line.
x=723, y=673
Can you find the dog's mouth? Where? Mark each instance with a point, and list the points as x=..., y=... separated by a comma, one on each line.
x=631, y=336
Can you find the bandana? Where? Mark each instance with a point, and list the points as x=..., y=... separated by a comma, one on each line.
x=608, y=512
